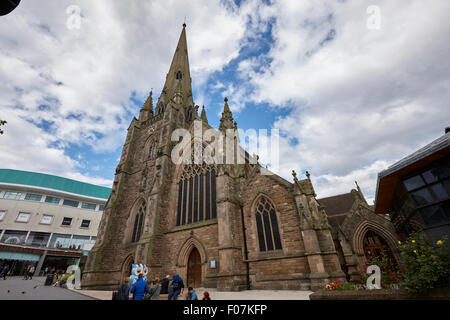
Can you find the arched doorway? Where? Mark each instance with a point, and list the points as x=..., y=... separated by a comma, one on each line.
x=375, y=247
x=126, y=269
x=194, y=269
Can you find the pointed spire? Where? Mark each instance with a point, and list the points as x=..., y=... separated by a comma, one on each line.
x=147, y=109
x=178, y=80
x=203, y=116
x=226, y=122
x=148, y=105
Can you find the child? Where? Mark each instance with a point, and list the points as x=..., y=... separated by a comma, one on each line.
x=206, y=296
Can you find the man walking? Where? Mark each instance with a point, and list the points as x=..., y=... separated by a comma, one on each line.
x=31, y=272
x=4, y=272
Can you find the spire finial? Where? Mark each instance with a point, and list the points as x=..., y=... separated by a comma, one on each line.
x=184, y=23
x=226, y=122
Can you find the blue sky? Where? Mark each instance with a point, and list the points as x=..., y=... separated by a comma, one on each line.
x=349, y=100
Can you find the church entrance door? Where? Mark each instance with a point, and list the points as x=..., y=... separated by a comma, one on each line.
x=194, y=271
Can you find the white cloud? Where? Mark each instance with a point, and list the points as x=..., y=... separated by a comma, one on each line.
x=359, y=101
x=85, y=77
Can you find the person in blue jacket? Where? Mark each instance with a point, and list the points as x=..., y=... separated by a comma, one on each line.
x=191, y=294
x=139, y=289
x=177, y=286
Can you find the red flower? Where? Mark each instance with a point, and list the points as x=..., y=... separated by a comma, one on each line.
x=393, y=277
x=365, y=270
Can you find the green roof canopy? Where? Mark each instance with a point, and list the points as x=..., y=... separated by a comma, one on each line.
x=53, y=182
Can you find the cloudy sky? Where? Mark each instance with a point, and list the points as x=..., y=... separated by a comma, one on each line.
x=351, y=87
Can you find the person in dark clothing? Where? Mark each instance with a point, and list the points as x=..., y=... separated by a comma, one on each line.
x=165, y=285
x=206, y=296
x=177, y=287
x=139, y=289
x=4, y=272
x=124, y=290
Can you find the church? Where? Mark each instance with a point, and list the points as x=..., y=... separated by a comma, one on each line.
x=224, y=226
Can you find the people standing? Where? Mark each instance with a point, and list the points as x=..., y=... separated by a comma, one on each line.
x=155, y=290
x=165, y=285
x=177, y=287
x=206, y=296
x=139, y=289
x=45, y=271
x=4, y=272
x=124, y=290
x=31, y=272
x=25, y=275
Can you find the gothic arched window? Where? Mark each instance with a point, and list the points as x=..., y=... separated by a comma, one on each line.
x=197, y=194
x=179, y=75
x=152, y=152
x=267, y=225
x=139, y=223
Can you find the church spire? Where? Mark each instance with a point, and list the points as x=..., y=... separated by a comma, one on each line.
x=178, y=81
x=203, y=116
x=226, y=122
x=147, y=109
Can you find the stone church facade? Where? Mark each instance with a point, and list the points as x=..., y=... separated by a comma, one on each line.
x=226, y=226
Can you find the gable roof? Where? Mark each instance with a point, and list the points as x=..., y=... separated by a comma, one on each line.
x=337, y=207
x=48, y=181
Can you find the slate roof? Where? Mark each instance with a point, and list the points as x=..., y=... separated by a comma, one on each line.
x=337, y=207
x=438, y=144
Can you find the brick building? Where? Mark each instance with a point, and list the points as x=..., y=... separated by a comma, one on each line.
x=217, y=225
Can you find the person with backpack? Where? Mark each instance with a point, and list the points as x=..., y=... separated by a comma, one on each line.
x=177, y=287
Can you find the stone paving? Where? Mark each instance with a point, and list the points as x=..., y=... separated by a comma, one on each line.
x=220, y=295
x=15, y=288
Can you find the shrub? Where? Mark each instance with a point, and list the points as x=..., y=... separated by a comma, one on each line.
x=424, y=266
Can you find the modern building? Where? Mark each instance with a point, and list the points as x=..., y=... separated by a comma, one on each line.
x=46, y=220
x=415, y=191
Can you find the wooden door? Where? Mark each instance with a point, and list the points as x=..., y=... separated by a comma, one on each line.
x=194, y=272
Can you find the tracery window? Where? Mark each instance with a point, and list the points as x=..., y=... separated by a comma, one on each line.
x=267, y=225
x=179, y=75
x=197, y=194
x=139, y=223
x=152, y=152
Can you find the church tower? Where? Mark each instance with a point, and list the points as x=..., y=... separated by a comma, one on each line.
x=131, y=229
x=218, y=225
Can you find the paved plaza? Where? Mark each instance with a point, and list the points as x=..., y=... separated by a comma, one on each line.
x=15, y=288
x=220, y=295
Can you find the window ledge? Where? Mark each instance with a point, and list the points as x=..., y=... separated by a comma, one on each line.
x=193, y=225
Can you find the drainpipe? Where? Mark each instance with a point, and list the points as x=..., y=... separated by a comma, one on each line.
x=245, y=250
